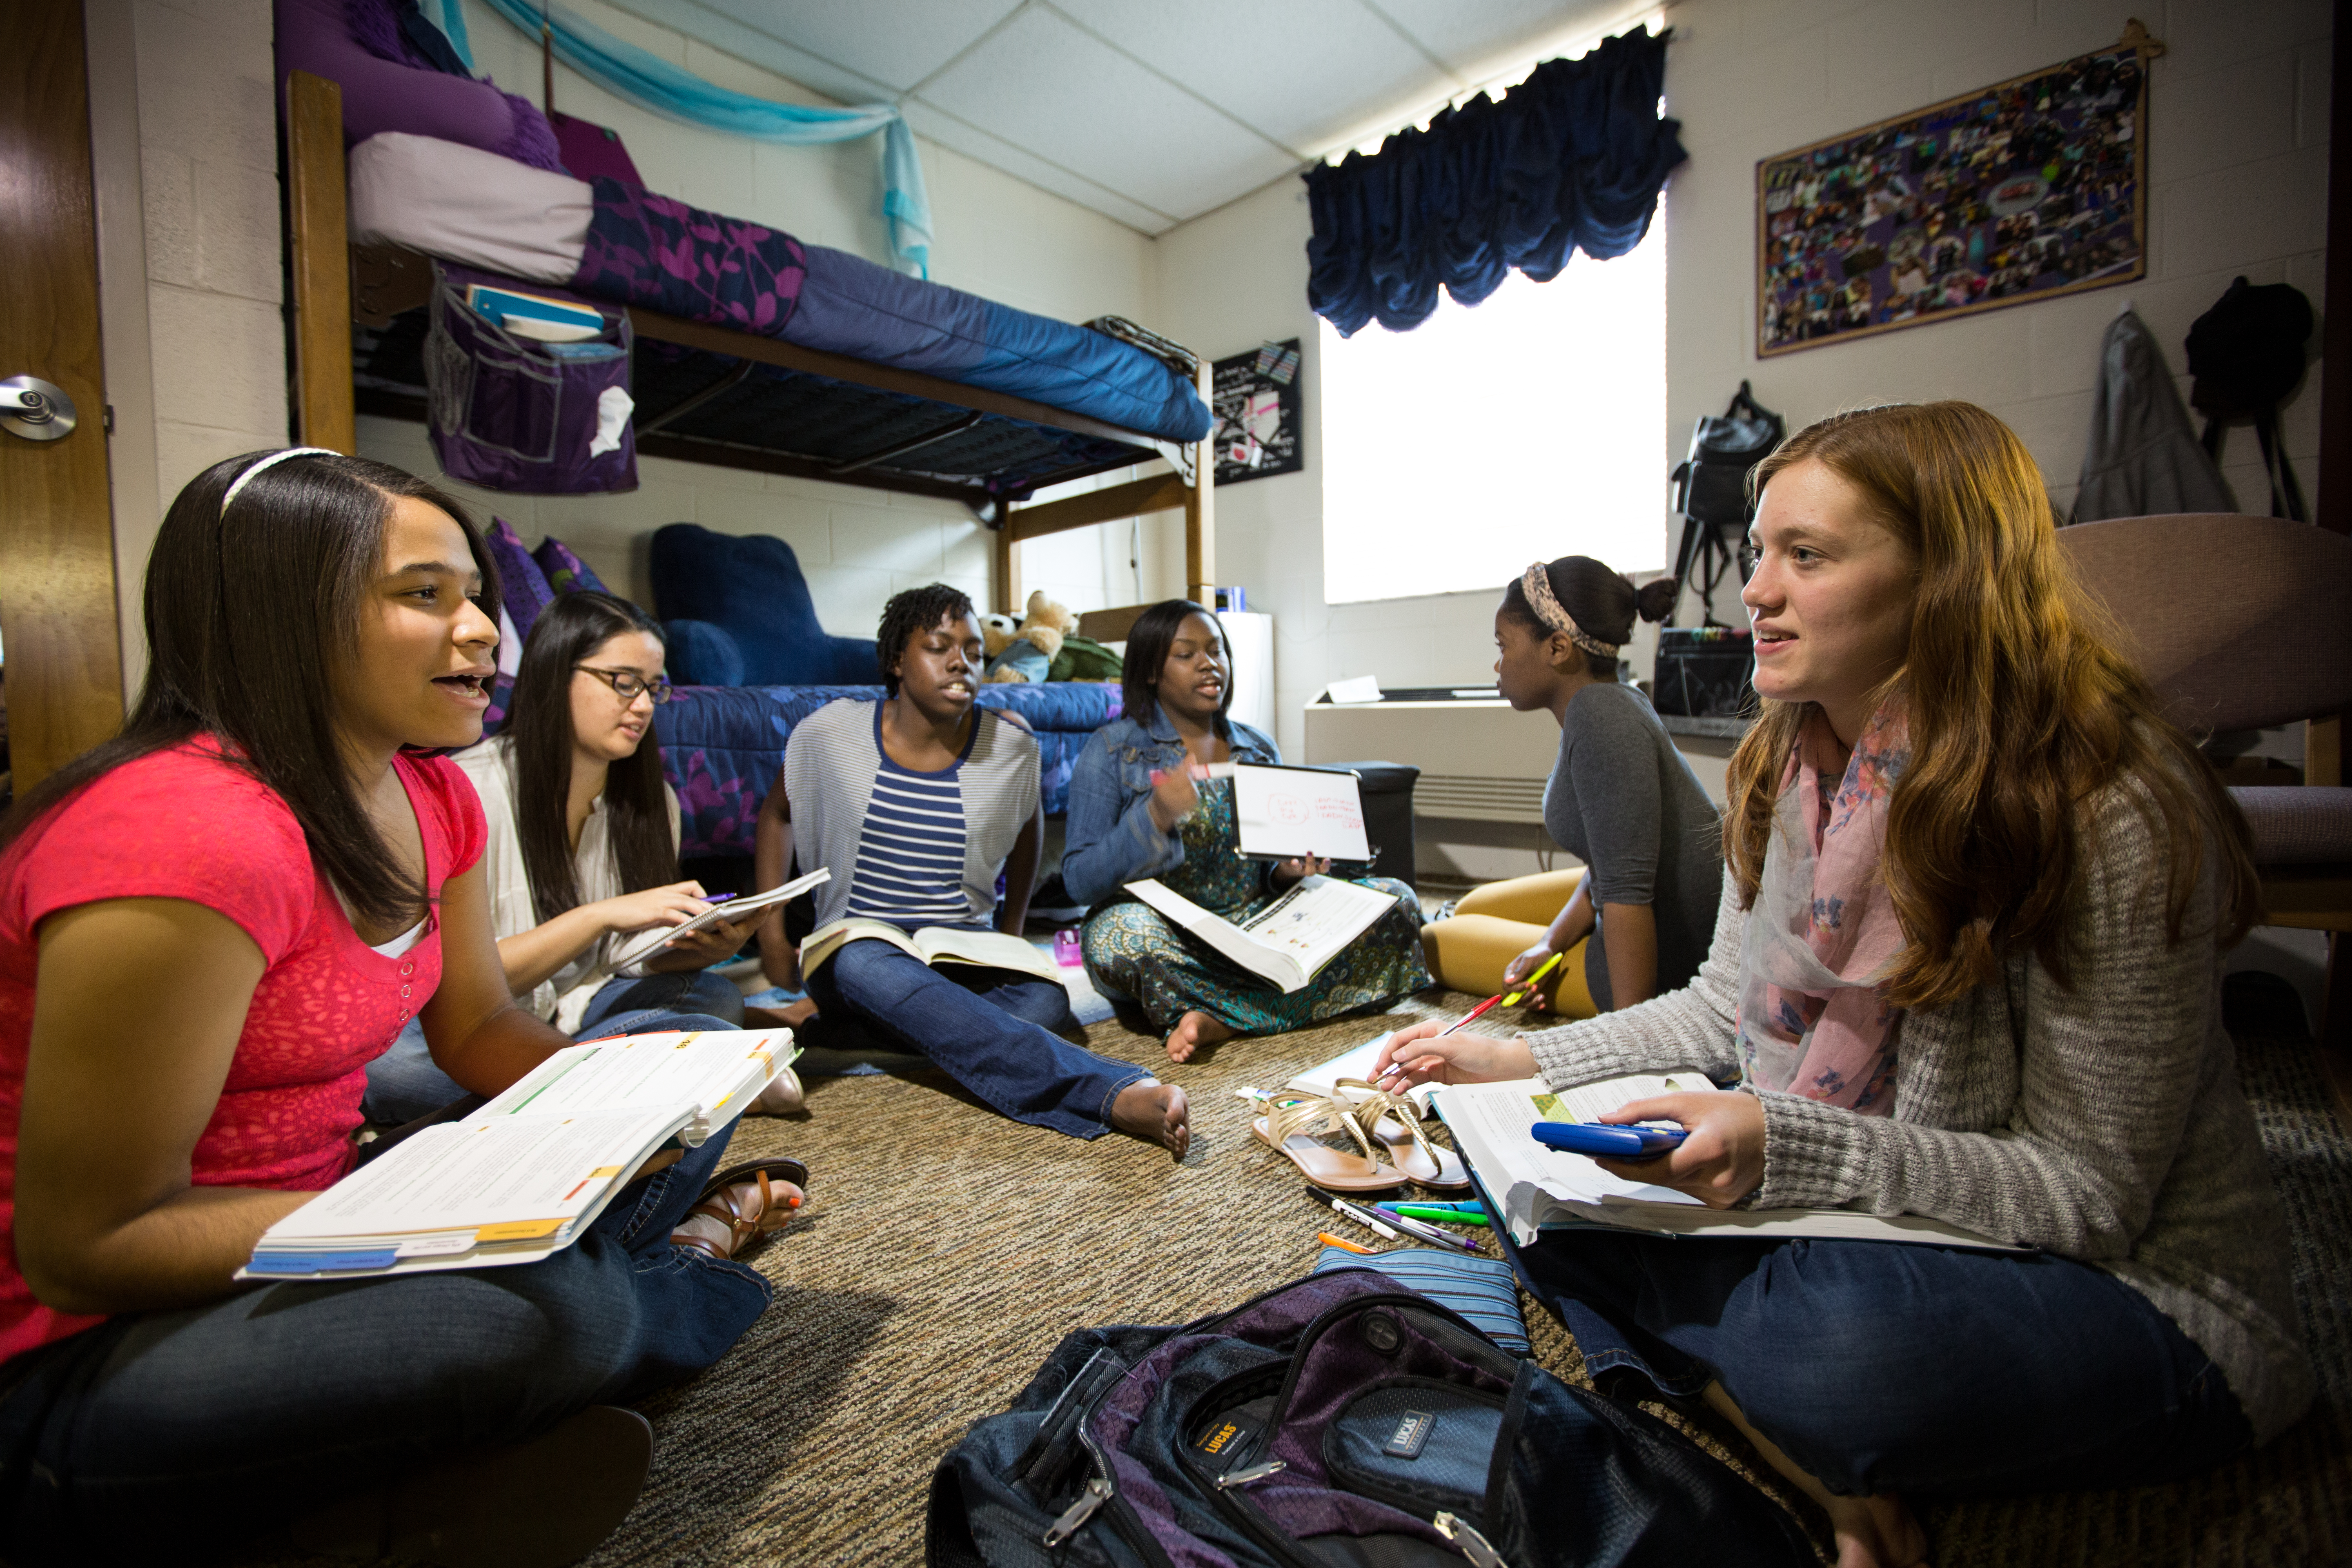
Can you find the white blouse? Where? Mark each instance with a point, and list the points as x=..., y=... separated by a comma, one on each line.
x=563, y=998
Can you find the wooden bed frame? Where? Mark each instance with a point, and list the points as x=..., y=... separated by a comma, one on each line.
x=334, y=282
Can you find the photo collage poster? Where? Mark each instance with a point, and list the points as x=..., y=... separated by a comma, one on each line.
x=2023, y=191
x=1255, y=399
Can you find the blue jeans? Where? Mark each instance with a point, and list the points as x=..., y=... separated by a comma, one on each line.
x=1886, y=1366
x=156, y=1435
x=403, y=1083
x=991, y=1029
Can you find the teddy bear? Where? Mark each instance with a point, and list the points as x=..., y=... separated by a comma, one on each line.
x=1024, y=652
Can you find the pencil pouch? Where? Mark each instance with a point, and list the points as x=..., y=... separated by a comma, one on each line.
x=1481, y=1288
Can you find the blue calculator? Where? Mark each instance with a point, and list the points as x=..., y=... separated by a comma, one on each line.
x=1619, y=1142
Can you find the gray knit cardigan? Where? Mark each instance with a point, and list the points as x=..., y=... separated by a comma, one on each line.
x=2102, y=1122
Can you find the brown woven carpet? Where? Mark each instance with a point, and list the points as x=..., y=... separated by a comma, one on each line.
x=946, y=1249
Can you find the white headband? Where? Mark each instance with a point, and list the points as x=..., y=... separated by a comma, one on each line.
x=272, y=460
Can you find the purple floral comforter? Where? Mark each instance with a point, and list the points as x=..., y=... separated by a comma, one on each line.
x=722, y=746
x=658, y=252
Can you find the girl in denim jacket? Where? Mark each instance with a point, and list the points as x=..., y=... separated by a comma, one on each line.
x=1141, y=807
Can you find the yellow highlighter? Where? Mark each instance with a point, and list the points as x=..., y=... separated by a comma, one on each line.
x=1532, y=980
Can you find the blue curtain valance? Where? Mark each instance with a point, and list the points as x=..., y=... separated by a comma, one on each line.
x=1572, y=158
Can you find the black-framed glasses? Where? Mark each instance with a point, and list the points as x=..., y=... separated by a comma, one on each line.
x=628, y=686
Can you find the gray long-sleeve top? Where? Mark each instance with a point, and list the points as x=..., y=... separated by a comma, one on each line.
x=1622, y=800
x=2102, y=1122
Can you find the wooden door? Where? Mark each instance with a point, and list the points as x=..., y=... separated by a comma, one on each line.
x=57, y=630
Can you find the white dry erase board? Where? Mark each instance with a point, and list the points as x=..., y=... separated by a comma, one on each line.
x=1286, y=812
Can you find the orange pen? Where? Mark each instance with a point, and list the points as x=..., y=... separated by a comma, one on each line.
x=1344, y=1245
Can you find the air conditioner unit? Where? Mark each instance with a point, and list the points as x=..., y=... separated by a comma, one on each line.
x=1480, y=761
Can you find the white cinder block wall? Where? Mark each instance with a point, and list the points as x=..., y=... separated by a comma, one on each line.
x=2238, y=177
x=195, y=341
x=2237, y=170
x=993, y=235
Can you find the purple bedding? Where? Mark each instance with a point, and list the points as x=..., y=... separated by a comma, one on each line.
x=723, y=745
x=658, y=252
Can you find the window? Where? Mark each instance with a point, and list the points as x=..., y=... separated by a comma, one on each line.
x=1524, y=429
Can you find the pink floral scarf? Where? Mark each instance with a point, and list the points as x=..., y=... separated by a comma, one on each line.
x=1823, y=931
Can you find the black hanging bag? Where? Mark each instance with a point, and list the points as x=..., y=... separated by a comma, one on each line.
x=2247, y=356
x=1339, y=1422
x=1710, y=487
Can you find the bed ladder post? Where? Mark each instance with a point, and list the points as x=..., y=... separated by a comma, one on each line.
x=1199, y=502
x=318, y=232
x=1008, y=564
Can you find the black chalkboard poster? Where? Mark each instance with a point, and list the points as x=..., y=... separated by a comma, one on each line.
x=1255, y=398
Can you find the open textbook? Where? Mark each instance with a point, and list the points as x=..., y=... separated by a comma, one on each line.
x=934, y=945
x=523, y=1176
x=1290, y=940
x=1541, y=1189
x=650, y=941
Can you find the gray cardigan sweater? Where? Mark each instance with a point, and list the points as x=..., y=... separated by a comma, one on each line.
x=2102, y=1122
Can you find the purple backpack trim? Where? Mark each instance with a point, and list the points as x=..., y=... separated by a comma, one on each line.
x=512, y=413
x=660, y=253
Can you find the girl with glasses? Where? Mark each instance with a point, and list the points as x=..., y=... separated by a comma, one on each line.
x=583, y=854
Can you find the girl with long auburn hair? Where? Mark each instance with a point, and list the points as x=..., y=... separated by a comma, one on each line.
x=583, y=854
x=208, y=927
x=1967, y=965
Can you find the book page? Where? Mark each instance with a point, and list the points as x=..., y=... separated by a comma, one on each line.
x=1317, y=918
x=1286, y=812
x=826, y=939
x=653, y=938
x=993, y=949
x=671, y=1071
x=1325, y=1078
x=504, y=1170
x=1258, y=957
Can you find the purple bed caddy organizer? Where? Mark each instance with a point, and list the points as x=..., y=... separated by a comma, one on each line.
x=512, y=413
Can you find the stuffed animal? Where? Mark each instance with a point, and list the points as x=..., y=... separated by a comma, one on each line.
x=1028, y=651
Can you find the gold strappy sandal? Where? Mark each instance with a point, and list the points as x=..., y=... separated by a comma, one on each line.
x=1293, y=1130
x=1394, y=1123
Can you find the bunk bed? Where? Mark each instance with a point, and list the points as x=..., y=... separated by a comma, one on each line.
x=716, y=394
x=712, y=394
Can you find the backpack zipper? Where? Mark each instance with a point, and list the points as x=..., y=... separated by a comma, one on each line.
x=1073, y=1518
x=1474, y=1545
x=1244, y=1477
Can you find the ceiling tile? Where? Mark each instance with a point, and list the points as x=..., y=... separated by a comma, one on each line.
x=1059, y=93
x=896, y=42
x=1469, y=36
x=949, y=131
x=709, y=21
x=1302, y=72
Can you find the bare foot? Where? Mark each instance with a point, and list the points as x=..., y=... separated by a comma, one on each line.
x=1192, y=1031
x=744, y=1197
x=1156, y=1112
x=1876, y=1532
x=789, y=1017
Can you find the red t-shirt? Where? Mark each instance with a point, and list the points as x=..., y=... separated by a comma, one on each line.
x=184, y=824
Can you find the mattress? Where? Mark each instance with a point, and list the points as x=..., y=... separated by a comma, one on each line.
x=482, y=210
x=722, y=746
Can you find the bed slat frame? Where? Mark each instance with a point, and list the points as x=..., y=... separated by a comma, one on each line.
x=326, y=404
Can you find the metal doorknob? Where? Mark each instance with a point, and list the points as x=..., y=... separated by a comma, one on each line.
x=36, y=409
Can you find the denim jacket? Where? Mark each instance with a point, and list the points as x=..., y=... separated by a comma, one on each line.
x=1110, y=837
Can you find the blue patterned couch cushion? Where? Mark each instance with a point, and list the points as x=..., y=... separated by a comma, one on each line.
x=722, y=746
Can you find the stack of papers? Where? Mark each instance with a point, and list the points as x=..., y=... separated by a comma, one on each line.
x=524, y=1176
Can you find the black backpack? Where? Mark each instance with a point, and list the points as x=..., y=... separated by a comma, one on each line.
x=2246, y=354
x=1342, y=1421
x=1710, y=487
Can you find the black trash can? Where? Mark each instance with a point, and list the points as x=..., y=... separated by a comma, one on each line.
x=1387, y=792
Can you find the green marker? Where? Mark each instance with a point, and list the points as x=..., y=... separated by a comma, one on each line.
x=1441, y=1215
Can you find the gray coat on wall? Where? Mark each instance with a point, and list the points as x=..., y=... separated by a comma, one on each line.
x=2143, y=457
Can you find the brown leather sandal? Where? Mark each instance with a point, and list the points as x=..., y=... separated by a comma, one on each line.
x=719, y=1203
